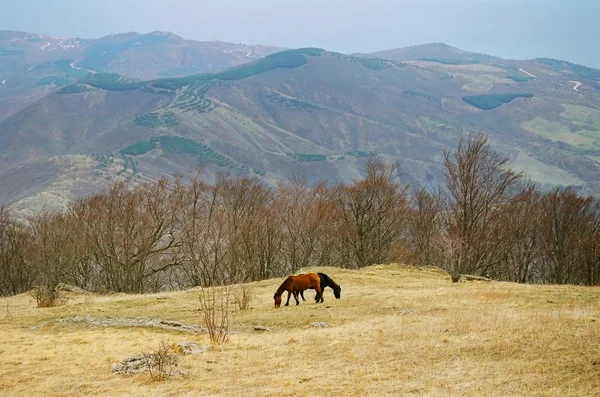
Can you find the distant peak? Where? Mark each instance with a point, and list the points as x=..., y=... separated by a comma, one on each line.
x=165, y=34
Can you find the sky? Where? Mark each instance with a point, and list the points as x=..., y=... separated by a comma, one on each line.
x=516, y=29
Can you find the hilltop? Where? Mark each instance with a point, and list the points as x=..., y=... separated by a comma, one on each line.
x=309, y=109
x=396, y=330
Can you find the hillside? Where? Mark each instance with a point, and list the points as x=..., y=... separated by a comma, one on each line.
x=309, y=109
x=32, y=65
x=395, y=331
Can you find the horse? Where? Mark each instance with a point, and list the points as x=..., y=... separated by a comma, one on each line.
x=293, y=284
x=325, y=281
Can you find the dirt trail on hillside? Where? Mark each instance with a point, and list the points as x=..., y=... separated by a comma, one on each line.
x=527, y=73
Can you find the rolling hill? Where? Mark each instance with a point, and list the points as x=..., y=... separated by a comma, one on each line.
x=308, y=109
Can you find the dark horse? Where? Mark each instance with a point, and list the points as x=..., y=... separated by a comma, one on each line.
x=326, y=281
x=293, y=284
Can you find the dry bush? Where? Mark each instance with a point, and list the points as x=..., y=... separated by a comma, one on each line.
x=243, y=296
x=160, y=363
x=48, y=296
x=214, y=306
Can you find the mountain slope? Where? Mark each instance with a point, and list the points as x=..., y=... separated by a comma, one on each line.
x=322, y=112
x=33, y=65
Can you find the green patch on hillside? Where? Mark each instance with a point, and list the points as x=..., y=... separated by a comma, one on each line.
x=586, y=119
x=492, y=101
x=361, y=153
x=192, y=99
x=138, y=148
x=289, y=59
x=369, y=63
x=113, y=82
x=157, y=119
x=555, y=131
x=519, y=78
x=74, y=89
x=203, y=153
x=449, y=61
x=422, y=95
x=307, y=157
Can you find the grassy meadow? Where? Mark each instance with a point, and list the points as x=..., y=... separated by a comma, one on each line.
x=397, y=330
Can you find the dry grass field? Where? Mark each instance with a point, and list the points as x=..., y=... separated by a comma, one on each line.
x=396, y=331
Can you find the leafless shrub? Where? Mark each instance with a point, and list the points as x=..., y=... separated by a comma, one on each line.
x=160, y=363
x=214, y=308
x=243, y=296
x=46, y=296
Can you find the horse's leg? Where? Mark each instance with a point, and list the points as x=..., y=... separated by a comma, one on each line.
x=319, y=296
x=288, y=299
x=296, y=293
x=302, y=295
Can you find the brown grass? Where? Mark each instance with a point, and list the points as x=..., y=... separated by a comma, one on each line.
x=396, y=331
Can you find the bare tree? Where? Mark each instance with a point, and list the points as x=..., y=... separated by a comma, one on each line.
x=132, y=234
x=479, y=185
x=371, y=215
x=204, y=231
x=565, y=218
x=424, y=227
x=16, y=272
x=52, y=252
x=253, y=240
x=306, y=217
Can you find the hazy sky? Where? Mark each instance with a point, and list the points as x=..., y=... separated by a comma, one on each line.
x=563, y=29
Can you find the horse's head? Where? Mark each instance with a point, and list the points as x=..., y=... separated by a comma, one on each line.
x=277, y=300
x=337, y=291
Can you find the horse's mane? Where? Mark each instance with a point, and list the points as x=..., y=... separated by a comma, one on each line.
x=328, y=280
x=282, y=287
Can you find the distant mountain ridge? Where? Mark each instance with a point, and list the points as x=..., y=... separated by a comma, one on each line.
x=309, y=109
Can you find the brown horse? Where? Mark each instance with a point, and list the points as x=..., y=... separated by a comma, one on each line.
x=292, y=284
